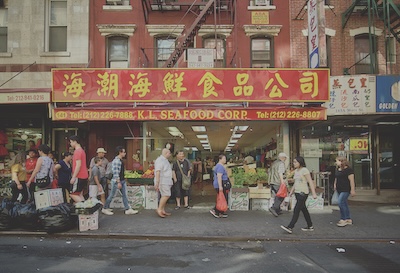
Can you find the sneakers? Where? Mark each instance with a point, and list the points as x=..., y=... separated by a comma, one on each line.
x=214, y=213
x=131, y=211
x=287, y=229
x=273, y=211
x=308, y=228
x=107, y=212
x=224, y=215
x=343, y=223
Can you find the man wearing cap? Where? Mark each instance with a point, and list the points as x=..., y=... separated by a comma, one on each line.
x=276, y=177
x=103, y=166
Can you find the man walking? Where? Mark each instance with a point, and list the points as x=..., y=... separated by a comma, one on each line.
x=181, y=167
x=118, y=182
x=163, y=181
x=276, y=178
x=79, y=177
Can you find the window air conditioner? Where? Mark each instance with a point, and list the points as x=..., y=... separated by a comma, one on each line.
x=114, y=2
x=262, y=2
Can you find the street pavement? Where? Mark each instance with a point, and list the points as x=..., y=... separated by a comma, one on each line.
x=371, y=222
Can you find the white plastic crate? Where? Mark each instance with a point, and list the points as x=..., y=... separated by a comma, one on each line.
x=151, y=198
x=47, y=198
x=88, y=221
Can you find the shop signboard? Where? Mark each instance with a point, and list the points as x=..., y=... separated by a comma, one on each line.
x=76, y=114
x=200, y=57
x=388, y=94
x=19, y=97
x=359, y=144
x=260, y=18
x=190, y=85
x=354, y=94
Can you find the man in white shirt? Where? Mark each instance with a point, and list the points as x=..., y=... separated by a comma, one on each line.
x=163, y=180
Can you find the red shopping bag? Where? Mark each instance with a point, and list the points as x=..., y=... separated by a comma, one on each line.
x=221, y=202
x=282, y=191
x=54, y=184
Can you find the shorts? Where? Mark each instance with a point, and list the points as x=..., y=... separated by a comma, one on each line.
x=78, y=186
x=165, y=190
x=179, y=192
x=94, y=191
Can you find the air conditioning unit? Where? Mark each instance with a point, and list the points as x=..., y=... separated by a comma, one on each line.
x=261, y=2
x=114, y=2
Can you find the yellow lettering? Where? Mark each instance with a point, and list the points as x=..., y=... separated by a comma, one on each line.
x=163, y=114
x=140, y=114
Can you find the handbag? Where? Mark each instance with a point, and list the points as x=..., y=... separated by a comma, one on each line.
x=43, y=182
x=185, y=179
x=221, y=202
x=335, y=198
x=282, y=192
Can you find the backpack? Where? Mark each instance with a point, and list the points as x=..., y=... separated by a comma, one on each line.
x=109, y=173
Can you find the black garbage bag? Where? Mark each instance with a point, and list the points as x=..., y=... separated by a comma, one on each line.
x=6, y=222
x=25, y=216
x=57, y=218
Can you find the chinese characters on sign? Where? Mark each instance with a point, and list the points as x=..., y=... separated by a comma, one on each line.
x=172, y=85
x=351, y=95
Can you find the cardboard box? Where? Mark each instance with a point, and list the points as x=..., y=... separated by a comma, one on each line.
x=135, y=195
x=311, y=203
x=255, y=192
x=238, y=199
x=151, y=198
x=260, y=204
x=47, y=198
x=88, y=222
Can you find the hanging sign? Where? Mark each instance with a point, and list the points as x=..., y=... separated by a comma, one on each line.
x=190, y=85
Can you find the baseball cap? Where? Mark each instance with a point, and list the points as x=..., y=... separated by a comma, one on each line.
x=101, y=150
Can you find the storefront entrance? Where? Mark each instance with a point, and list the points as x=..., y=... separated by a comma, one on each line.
x=389, y=157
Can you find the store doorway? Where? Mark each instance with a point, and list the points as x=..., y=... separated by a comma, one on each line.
x=389, y=157
x=60, y=139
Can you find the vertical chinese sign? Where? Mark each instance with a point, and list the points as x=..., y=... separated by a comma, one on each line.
x=316, y=34
x=351, y=95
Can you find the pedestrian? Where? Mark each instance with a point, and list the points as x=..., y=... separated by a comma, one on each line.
x=220, y=175
x=18, y=176
x=163, y=181
x=276, y=178
x=79, y=179
x=181, y=167
x=102, y=167
x=118, y=182
x=345, y=186
x=95, y=187
x=63, y=172
x=44, y=167
x=301, y=190
x=198, y=173
x=30, y=165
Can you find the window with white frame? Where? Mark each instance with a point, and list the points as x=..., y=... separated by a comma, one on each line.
x=117, y=52
x=165, y=46
x=57, y=25
x=218, y=44
x=390, y=50
x=3, y=25
x=118, y=2
x=261, y=52
x=363, y=55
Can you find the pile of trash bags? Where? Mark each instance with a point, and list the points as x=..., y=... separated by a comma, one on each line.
x=25, y=216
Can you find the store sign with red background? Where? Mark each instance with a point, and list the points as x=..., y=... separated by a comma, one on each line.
x=190, y=85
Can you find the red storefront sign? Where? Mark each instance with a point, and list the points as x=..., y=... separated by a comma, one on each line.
x=315, y=113
x=191, y=85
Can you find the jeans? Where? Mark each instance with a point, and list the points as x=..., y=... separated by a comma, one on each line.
x=114, y=187
x=226, y=198
x=278, y=200
x=300, y=206
x=343, y=205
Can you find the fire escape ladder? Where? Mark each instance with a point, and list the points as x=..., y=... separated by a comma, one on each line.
x=187, y=36
x=393, y=19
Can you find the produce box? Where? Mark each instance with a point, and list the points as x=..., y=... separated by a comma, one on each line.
x=238, y=199
x=47, y=198
x=135, y=195
x=89, y=222
x=151, y=198
x=260, y=204
x=255, y=192
x=140, y=181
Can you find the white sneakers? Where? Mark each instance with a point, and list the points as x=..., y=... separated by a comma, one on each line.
x=131, y=211
x=127, y=212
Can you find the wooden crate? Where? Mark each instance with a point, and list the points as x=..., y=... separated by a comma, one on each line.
x=255, y=192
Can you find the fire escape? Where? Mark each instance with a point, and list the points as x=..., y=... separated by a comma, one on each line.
x=201, y=8
x=385, y=10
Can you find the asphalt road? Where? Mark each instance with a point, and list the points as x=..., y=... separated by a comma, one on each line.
x=51, y=254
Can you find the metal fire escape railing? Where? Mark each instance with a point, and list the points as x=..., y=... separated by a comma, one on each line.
x=187, y=36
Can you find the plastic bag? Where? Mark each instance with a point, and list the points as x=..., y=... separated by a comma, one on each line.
x=282, y=192
x=335, y=198
x=221, y=202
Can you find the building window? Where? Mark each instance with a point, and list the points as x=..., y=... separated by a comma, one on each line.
x=363, y=56
x=164, y=48
x=218, y=44
x=390, y=50
x=3, y=25
x=117, y=52
x=261, y=53
x=57, y=30
x=118, y=2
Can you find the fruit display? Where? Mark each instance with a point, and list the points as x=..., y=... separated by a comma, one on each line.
x=132, y=174
x=148, y=174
